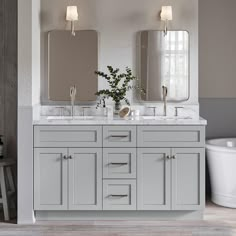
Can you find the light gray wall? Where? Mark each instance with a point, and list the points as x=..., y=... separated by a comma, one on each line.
x=217, y=20
x=217, y=42
x=118, y=22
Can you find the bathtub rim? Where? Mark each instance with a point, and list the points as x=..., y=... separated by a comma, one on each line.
x=212, y=147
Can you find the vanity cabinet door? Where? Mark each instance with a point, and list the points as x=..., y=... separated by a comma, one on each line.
x=85, y=179
x=153, y=179
x=188, y=174
x=50, y=179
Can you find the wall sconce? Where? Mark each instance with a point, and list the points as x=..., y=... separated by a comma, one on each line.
x=72, y=16
x=166, y=15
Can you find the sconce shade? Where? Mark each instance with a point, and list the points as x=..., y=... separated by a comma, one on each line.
x=166, y=13
x=72, y=13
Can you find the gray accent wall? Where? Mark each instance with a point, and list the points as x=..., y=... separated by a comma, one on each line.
x=8, y=76
x=221, y=116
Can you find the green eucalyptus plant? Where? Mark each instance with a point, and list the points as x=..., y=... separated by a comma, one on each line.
x=120, y=84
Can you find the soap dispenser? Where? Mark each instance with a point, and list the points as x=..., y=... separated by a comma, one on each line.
x=1, y=147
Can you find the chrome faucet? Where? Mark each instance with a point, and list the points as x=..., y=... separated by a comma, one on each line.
x=164, y=94
x=73, y=92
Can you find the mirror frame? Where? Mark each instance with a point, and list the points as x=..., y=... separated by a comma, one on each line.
x=138, y=60
x=44, y=80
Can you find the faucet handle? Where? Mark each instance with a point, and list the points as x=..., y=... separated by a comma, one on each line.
x=164, y=92
x=177, y=110
x=154, y=110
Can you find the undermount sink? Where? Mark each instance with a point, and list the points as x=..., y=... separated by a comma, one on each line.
x=167, y=118
x=70, y=117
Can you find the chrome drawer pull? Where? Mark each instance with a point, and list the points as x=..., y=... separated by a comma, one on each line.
x=118, y=164
x=119, y=136
x=119, y=196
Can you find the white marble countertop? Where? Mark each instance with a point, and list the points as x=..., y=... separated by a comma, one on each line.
x=119, y=121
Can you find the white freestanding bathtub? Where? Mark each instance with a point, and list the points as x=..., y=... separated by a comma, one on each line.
x=221, y=156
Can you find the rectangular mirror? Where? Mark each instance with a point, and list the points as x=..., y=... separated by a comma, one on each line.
x=164, y=61
x=72, y=60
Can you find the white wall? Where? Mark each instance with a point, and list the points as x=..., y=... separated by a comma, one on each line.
x=36, y=52
x=118, y=22
x=24, y=53
x=28, y=95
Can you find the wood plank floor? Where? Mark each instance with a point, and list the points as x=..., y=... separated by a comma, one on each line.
x=218, y=221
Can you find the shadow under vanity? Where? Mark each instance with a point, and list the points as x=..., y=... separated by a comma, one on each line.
x=93, y=165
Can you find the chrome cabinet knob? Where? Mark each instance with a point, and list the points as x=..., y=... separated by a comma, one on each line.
x=168, y=157
x=174, y=157
x=65, y=157
x=70, y=157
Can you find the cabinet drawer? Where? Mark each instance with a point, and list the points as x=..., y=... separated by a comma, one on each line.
x=119, y=195
x=67, y=136
x=171, y=136
x=119, y=136
x=119, y=163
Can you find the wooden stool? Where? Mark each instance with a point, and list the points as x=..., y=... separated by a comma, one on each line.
x=6, y=177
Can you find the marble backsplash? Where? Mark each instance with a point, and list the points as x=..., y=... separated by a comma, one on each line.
x=144, y=110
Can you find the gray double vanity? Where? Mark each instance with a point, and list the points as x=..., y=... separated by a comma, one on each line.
x=136, y=170
x=148, y=165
